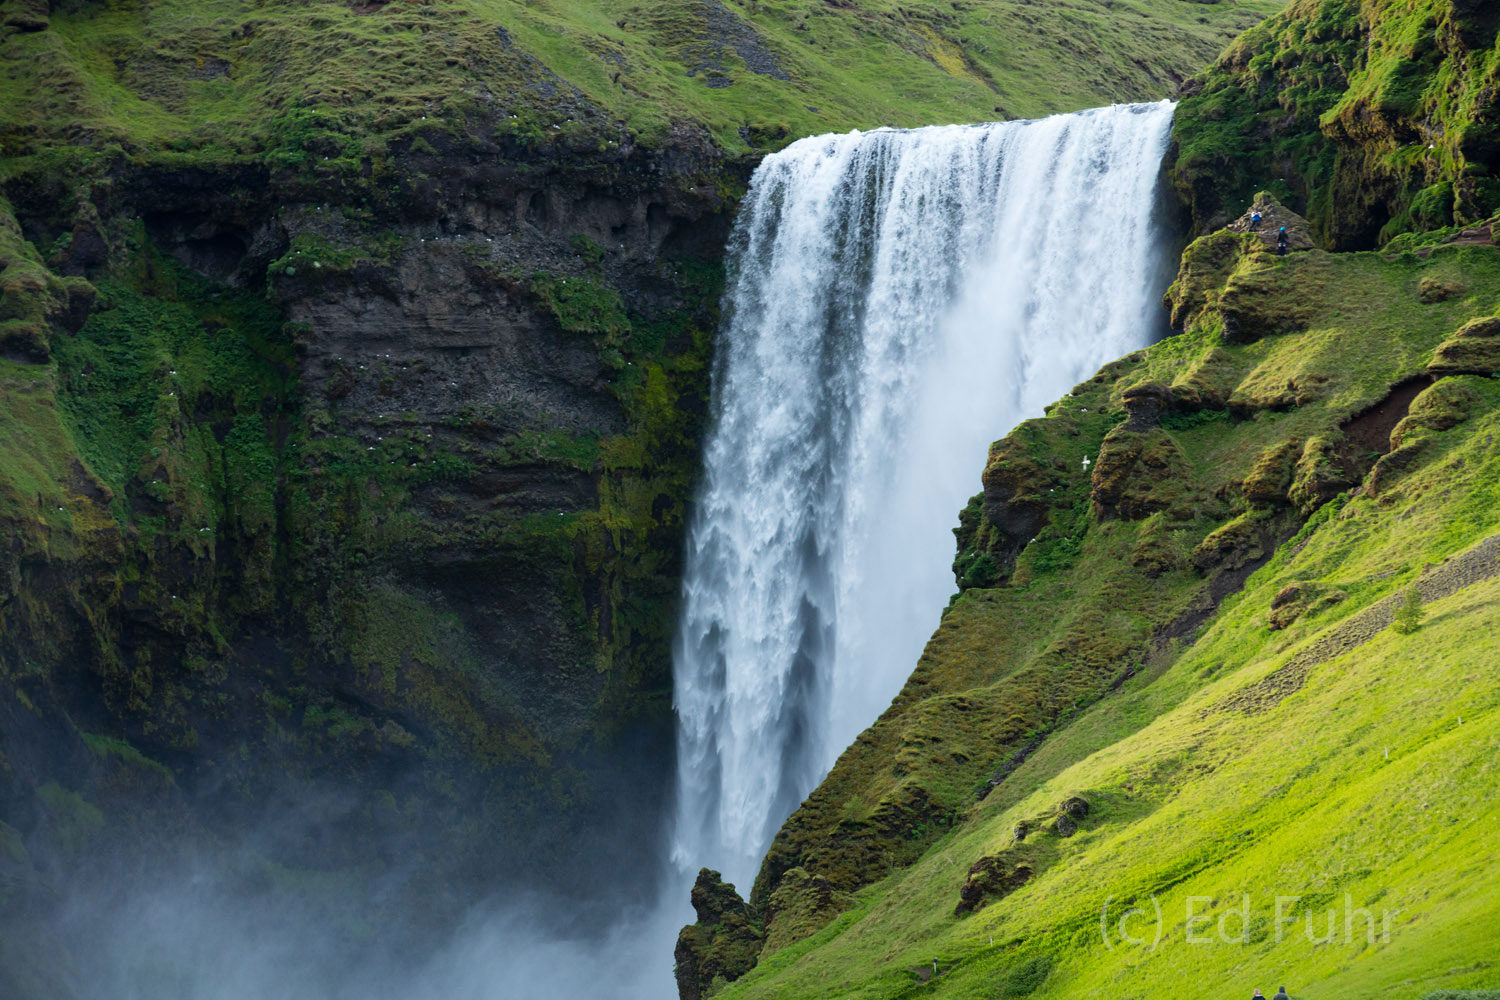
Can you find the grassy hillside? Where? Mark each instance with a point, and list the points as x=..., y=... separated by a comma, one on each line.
x=1091, y=735
x=338, y=80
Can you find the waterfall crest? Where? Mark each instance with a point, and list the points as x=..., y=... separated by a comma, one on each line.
x=896, y=301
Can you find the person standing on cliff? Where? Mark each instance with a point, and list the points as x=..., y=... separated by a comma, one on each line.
x=1281, y=242
x=1254, y=219
x=1281, y=994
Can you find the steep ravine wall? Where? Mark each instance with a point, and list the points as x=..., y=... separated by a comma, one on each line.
x=354, y=510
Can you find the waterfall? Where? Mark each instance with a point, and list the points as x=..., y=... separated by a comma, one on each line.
x=896, y=301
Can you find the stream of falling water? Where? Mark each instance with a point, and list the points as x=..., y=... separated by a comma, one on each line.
x=897, y=300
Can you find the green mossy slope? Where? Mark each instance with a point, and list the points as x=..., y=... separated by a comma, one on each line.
x=1372, y=118
x=1183, y=684
x=309, y=82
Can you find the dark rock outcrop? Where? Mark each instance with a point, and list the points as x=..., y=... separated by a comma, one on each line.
x=801, y=904
x=1297, y=600
x=1135, y=474
x=1015, y=497
x=1144, y=405
x=1230, y=277
x=1323, y=471
x=993, y=877
x=1270, y=477
x=1275, y=217
x=722, y=946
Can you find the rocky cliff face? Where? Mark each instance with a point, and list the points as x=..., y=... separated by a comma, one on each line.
x=354, y=506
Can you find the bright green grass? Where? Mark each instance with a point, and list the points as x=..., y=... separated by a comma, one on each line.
x=1298, y=801
x=1195, y=800
x=317, y=79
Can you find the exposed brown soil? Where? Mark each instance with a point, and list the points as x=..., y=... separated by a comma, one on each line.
x=1370, y=429
x=1478, y=236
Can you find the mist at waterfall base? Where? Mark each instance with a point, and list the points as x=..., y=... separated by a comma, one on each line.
x=897, y=301
x=198, y=937
x=252, y=910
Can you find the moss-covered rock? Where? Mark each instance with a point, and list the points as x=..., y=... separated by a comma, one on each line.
x=1271, y=476
x=1256, y=303
x=33, y=298
x=1137, y=474
x=996, y=876
x=1321, y=473
x=1442, y=406
x=802, y=904
x=1225, y=282
x=1275, y=221
x=1015, y=503
x=1144, y=405
x=1299, y=599
x=1108, y=662
x=1474, y=349
x=1158, y=548
x=722, y=946
x=1246, y=540
x=1206, y=265
x=1370, y=120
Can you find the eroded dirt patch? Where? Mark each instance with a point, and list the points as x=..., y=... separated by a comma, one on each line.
x=1370, y=430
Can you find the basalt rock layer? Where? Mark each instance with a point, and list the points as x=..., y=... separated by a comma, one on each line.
x=360, y=519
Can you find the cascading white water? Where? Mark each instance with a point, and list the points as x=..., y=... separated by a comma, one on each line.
x=897, y=300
